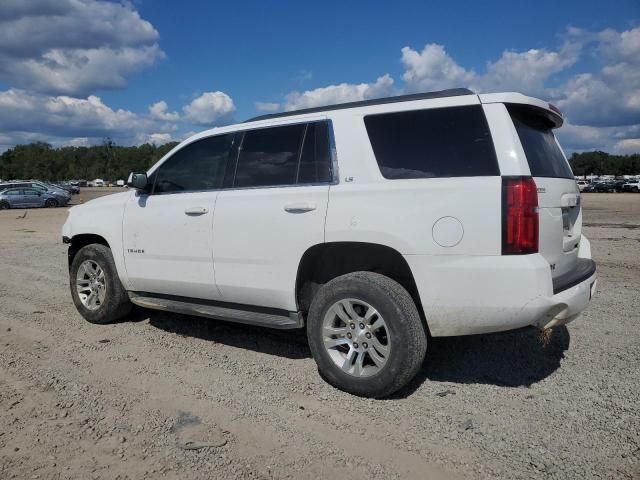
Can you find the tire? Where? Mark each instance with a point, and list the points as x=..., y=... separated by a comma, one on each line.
x=114, y=304
x=51, y=203
x=4, y=205
x=403, y=336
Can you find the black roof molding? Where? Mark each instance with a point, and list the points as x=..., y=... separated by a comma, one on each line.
x=452, y=92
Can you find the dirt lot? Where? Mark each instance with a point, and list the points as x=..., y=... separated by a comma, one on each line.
x=126, y=401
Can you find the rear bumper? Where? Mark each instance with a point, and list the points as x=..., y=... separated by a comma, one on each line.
x=483, y=294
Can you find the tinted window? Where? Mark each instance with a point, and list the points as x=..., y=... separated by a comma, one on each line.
x=269, y=157
x=198, y=166
x=543, y=154
x=315, y=162
x=31, y=191
x=13, y=192
x=443, y=142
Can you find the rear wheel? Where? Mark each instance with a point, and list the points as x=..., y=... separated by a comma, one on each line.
x=51, y=203
x=365, y=334
x=95, y=286
x=4, y=205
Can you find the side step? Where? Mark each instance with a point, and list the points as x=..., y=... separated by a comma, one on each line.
x=263, y=317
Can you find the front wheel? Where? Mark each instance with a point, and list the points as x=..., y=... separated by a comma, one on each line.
x=4, y=205
x=95, y=286
x=365, y=334
x=51, y=203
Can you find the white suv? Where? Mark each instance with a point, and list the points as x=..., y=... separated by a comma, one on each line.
x=374, y=224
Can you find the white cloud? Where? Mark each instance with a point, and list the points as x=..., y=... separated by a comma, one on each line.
x=63, y=116
x=73, y=46
x=344, y=92
x=158, y=111
x=210, y=108
x=627, y=146
x=610, y=96
x=432, y=69
x=79, y=142
x=155, y=138
x=267, y=106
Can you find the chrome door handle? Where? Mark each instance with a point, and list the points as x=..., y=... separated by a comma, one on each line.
x=300, y=207
x=196, y=211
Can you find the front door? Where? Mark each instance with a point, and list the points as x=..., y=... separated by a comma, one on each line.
x=168, y=234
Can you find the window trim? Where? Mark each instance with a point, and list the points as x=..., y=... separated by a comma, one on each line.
x=333, y=159
x=373, y=153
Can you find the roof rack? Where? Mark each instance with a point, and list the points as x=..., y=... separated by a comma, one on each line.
x=452, y=92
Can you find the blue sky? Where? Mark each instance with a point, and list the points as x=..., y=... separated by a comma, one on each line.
x=74, y=71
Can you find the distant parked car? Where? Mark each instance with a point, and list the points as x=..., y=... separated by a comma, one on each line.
x=632, y=186
x=69, y=187
x=600, y=187
x=120, y=183
x=26, y=197
x=582, y=184
x=98, y=182
x=62, y=196
x=618, y=185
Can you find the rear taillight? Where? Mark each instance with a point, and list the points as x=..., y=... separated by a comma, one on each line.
x=519, y=216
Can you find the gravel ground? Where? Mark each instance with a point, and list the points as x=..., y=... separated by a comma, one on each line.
x=178, y=397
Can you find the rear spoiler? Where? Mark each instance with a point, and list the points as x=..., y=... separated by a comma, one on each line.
x=545, y=109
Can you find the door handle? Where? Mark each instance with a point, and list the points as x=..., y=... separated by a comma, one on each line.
x=300, y=207
x=193, y=211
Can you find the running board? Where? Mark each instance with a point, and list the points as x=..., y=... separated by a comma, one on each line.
x=263, y=317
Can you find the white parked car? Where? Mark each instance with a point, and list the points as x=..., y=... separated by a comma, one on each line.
x=373, y=224
x=582, y=184
x=98, y=182
x=632, y=186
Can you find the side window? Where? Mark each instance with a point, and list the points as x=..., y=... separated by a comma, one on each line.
x=440, y=142
x=14, y=192
x=269, y=157
x=198, y=166
x=315, y=162
x=30, y=191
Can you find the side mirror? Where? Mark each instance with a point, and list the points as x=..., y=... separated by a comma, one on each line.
x=139, y=181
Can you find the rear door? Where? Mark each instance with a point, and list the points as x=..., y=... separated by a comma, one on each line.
x=32, y=197
x=272, y=213
x=558, y=194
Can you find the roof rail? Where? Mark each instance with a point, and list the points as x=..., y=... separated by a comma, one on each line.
x=452, y=92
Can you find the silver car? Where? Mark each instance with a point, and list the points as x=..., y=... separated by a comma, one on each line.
x=26, y=197
x=63, y=197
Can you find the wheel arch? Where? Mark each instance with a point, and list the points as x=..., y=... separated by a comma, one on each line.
x=82, y=240
x=326, y=261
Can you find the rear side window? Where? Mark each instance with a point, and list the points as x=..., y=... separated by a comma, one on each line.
x=442, y=142
x=539, y=144
x=315, y=162
x=198, y=166
x=269, y=156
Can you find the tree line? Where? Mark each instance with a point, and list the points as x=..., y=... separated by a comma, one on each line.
x=112, y=162
x=107, y=161
x=602, y=163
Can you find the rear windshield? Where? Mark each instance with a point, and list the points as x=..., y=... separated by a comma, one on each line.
x=540, y=146
x=438, y=142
